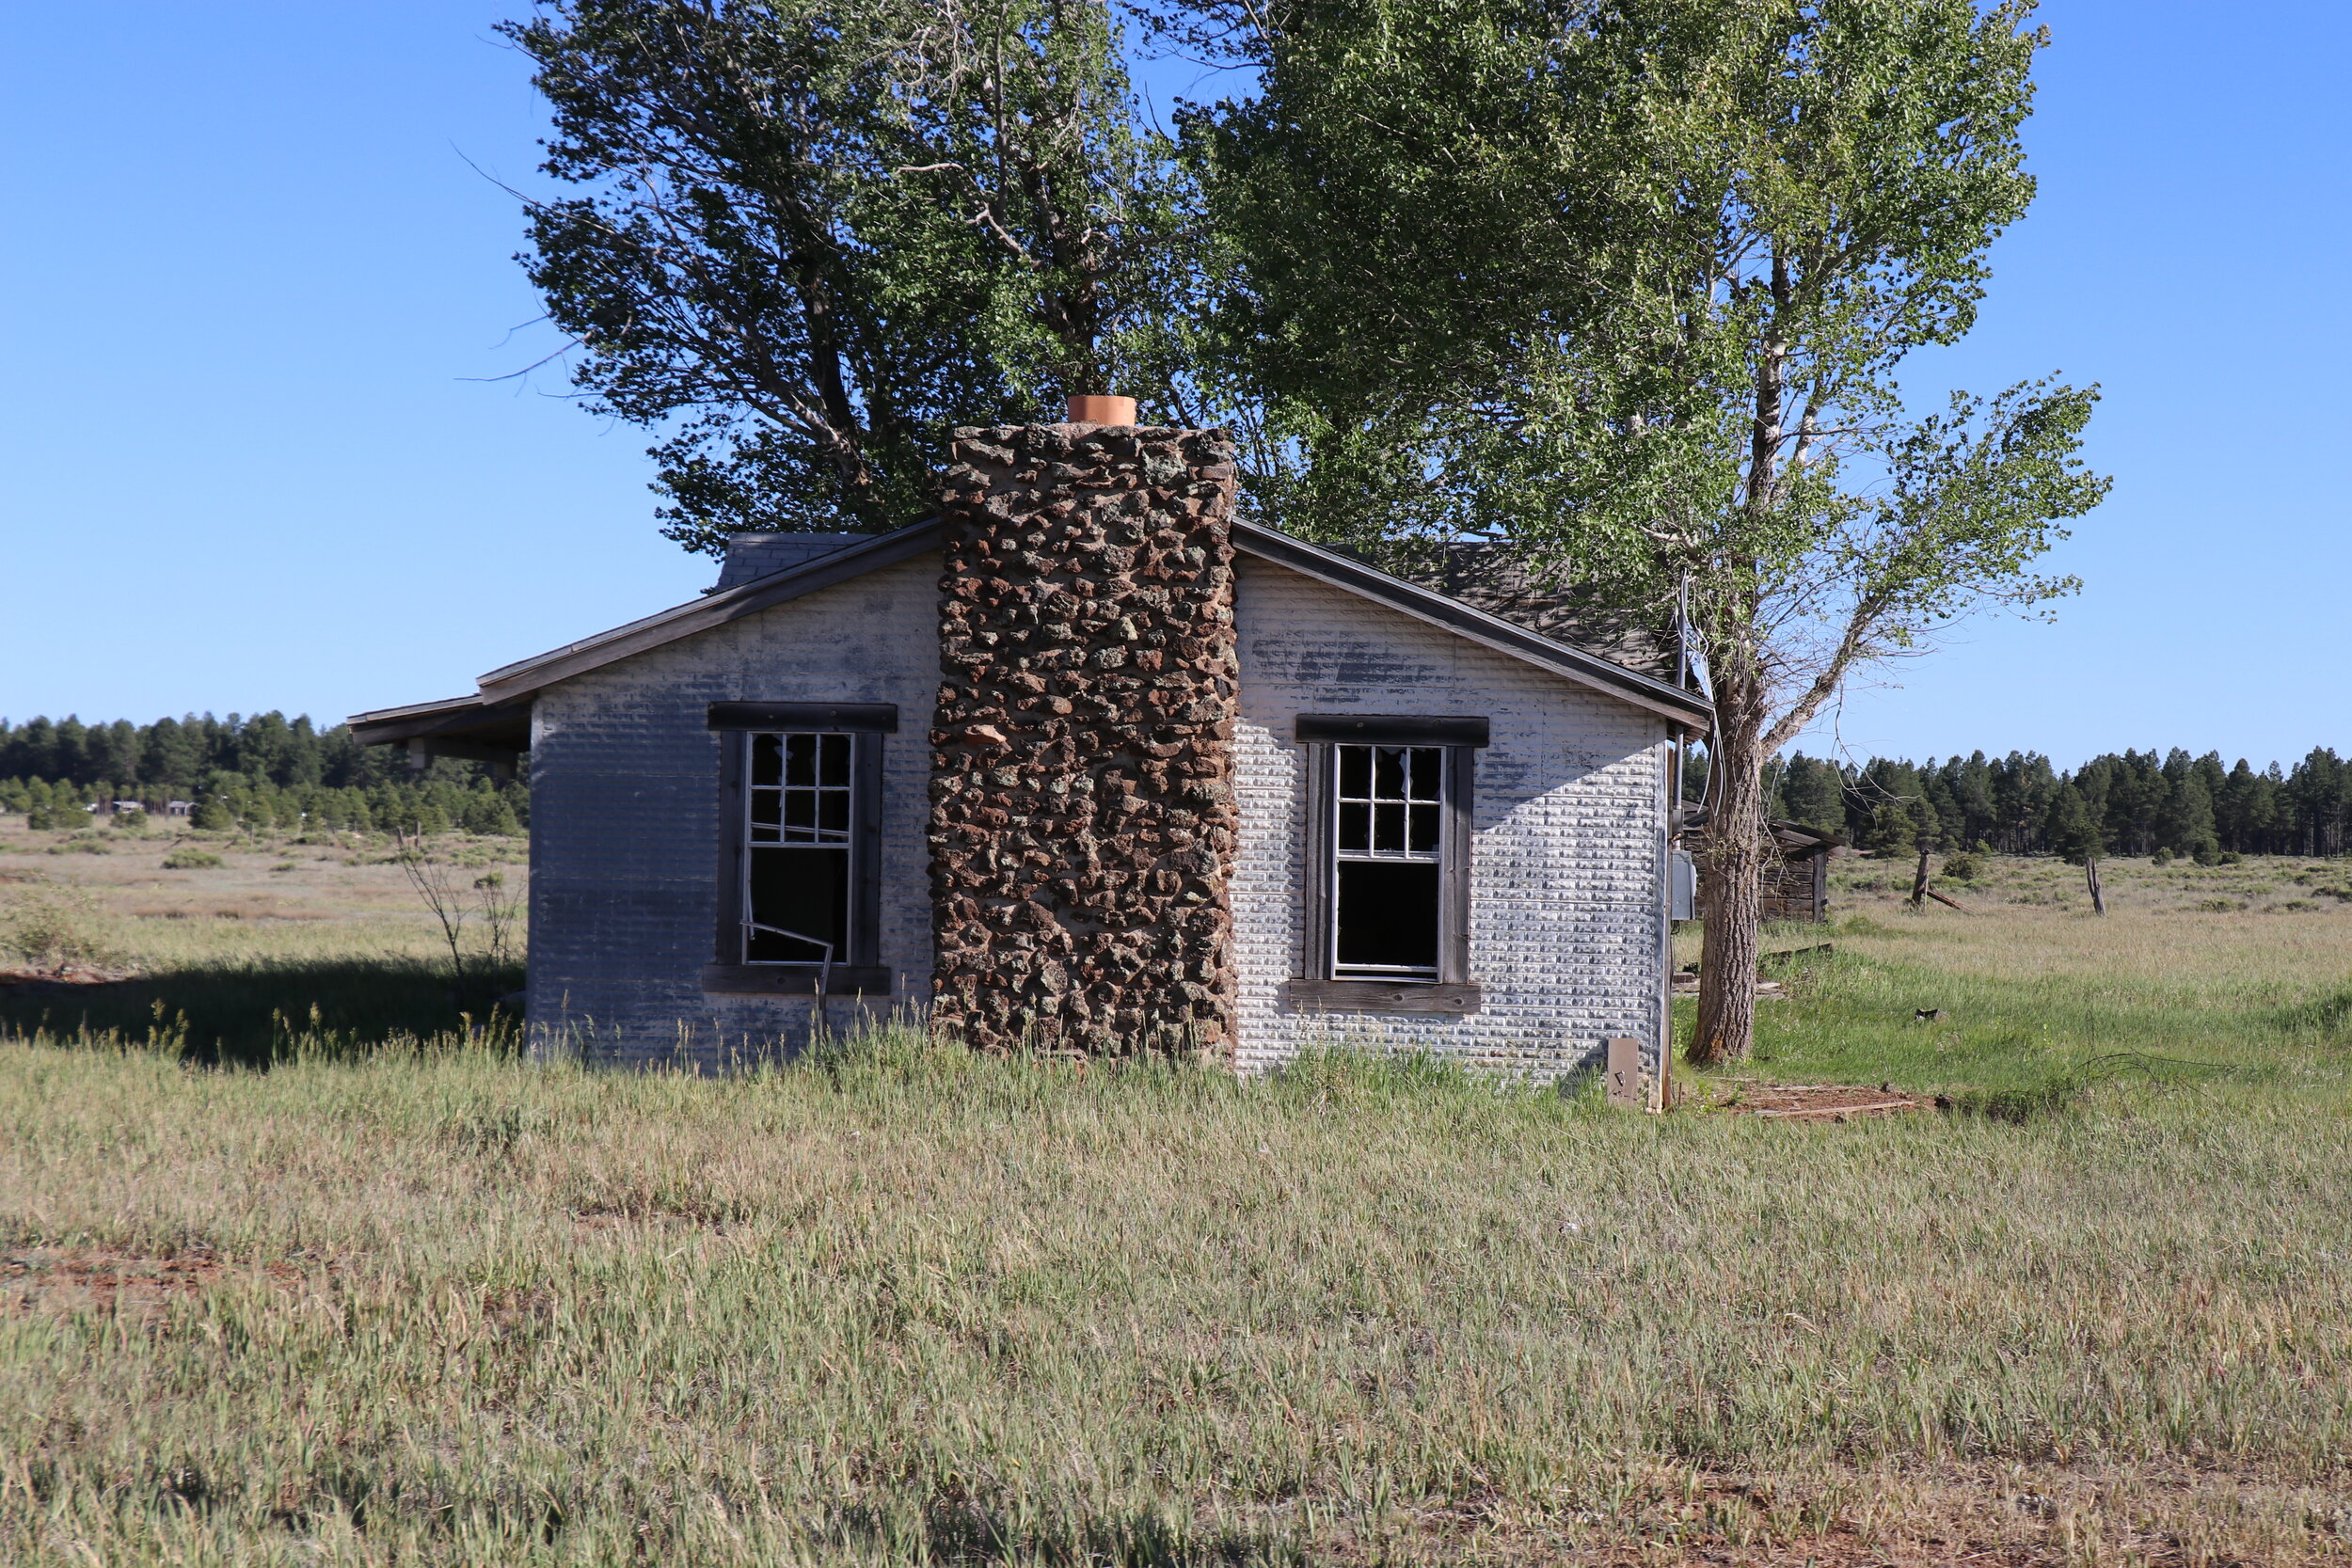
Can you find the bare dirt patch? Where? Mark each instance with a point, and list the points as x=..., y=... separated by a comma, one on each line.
x=118, y=1283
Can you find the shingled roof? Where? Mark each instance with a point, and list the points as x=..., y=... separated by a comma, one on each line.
x=1496, y=605
x=1500, y=581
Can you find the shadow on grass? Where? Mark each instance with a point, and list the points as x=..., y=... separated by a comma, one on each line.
x=2063, y=1091
x=254, y=1012
x=2328, y=1017
x=963, y=1529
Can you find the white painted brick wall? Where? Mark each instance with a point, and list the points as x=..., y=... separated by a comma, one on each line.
x=1565, y=875
x=625, y=818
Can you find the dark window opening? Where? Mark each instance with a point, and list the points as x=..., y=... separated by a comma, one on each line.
x=1387, y=918
x=797, y=818
x=800, y=849
x=1388, y=844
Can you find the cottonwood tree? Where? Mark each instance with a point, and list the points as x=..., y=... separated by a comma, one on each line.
x=813, y=238
x=1842, y=169
x=1648, y=270
x=1402, y=199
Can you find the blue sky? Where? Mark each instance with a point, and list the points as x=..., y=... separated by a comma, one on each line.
x=252, y=285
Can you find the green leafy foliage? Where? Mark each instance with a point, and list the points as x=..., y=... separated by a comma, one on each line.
x=1570, y=275
x=812, y=240
x=1630, y=286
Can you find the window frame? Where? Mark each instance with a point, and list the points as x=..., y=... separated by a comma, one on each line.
x=1321, y=982
x=1403, y=809
x=860, y=970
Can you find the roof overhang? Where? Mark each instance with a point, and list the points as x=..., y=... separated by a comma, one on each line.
x=518, y=681
x=470, y=727
x=501, y=711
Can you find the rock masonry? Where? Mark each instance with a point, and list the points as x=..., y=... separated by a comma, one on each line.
x=1083, y=815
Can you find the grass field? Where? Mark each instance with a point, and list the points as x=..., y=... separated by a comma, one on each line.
x=322, y=932
x=433, y=1303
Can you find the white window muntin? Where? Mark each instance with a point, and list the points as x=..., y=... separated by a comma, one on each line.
x=799, y=797
x=1389, y=804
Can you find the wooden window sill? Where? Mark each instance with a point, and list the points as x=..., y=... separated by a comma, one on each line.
x=1378, y=996
x=792, y=980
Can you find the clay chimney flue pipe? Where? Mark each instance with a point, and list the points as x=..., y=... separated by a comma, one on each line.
x=1094, y=409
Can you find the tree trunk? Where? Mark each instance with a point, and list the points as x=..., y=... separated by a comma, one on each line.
x=2091, y=876
x=1919, y=881
x=1731, y=878
x=1731, y=863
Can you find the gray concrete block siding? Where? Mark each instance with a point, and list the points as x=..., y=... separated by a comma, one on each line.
x=625, y=821
x=1567, y=936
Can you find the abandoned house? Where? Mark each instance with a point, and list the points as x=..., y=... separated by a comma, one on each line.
x=1087, y=761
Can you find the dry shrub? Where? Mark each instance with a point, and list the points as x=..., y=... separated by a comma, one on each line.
x=54, y=929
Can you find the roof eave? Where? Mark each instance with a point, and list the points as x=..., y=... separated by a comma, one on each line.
x=511, y=686
x=505, y=725
x=513, y=682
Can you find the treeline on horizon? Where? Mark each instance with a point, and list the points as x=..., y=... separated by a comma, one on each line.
x=266, y=770
x=259, y=772
x=2131, y=803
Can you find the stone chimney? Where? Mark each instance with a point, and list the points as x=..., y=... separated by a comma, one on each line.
x=1082, y=803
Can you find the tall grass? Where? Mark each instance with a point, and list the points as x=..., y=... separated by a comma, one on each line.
x=406, y=1297
x=2032, y=994
x=897, y=1303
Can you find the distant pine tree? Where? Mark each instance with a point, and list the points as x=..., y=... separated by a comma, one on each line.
x=1813, y=792
x=1893, y=829
x=2185, y=823
x=2073, y=828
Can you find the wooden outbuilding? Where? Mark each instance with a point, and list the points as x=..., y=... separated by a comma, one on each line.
x=1796, y=873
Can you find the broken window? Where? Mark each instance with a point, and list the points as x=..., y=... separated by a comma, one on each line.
x=1387, y=884
x=797, y=806
x=801, y=858
x=1389, y=854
